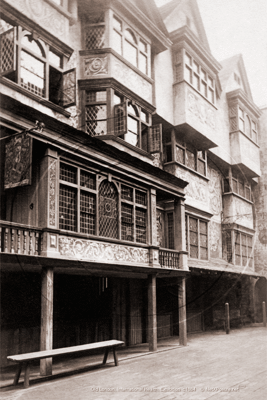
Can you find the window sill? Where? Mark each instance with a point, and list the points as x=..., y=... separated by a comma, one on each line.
x=238, y=195
x=188, y=169
x=33, y=96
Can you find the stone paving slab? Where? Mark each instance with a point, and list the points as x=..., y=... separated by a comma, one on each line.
x=213, y=366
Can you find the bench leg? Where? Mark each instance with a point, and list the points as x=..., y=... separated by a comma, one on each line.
x=27, y=375
x=105, y=356
x=17, y=374
x=115, y=356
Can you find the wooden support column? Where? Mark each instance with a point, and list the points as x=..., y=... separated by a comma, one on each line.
x=182, y=311
x=152, y=313
x=179, y=232
x=47, y=318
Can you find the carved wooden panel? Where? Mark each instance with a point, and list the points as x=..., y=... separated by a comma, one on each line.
x=89, y=250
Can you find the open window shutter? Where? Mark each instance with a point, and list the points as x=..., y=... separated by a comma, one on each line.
x=120, y=119
x=69, y=88
x=155, y=139
x=8, y=51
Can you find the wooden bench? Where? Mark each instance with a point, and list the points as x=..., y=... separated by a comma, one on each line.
x=26, y=359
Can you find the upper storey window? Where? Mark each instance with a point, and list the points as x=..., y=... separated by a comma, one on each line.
x=35, y=66
x=94, y=32
x=199, y=78
x=130, y=45
x=247, y=125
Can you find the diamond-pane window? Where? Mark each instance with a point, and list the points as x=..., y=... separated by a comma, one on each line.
x=140, y=225
x=108, y=210
x=7, y=51
x=95, y=37
x=96, y=119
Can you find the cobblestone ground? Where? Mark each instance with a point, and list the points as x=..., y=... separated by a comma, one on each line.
x=212, y=366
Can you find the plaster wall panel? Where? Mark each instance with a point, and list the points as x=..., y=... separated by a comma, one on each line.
x=45, y=15
x=250, y=154
x=222, y=130
x=238, y=211
x=163, y=77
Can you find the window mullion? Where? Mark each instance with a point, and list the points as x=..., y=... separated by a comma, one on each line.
x=134, y=216
x=198, y=238
x=119, y=211
x=78, y=210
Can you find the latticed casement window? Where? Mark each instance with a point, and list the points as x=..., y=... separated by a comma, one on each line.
x=34, y=65
x=132, y=124
x=243, y=249
x=94, y=32
x=187, y=155
x=96, y=113
x=196, y=238
x=121, y=212
x=199, y=78
x=130, y=45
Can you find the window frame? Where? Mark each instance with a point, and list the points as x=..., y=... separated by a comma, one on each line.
x=133, y=202
x=235, y=183
x=243, y=250
x=186, y=148
x=247, y=125
x=196, y=73
x=198, y=234
x=63, y=91
x=96, y=103
x=139, y=45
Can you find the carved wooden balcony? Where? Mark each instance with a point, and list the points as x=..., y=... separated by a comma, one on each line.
x=169, y=258
x=19, y=239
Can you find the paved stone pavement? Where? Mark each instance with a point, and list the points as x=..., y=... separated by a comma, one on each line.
x=213, y=366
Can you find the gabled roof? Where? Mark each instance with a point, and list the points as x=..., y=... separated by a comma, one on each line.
x=229, y=66
x=174, y=6
x=149, y=8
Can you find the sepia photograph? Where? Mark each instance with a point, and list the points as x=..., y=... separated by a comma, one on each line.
x=133, y=188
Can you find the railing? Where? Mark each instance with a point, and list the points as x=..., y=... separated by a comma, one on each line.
x=19, y=239
x=169, y=258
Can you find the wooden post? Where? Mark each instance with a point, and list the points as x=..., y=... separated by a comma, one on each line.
x=179, y=232
x=47, y=319
x=182, y=312
x=264, y=314
x=152, y=313
x=227, y=318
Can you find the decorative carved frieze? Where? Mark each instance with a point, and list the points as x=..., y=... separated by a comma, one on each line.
x=201, y=110
x=95, y=66
x=214, y=238
x=52, y=192
x=89, y=250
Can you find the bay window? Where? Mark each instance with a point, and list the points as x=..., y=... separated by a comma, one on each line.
x=34, y=65
x=130, y=45
x=198, y=77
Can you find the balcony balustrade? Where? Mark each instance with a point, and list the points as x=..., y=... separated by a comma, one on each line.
x=27, y=240
x=169, y=258
x=19, y=239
